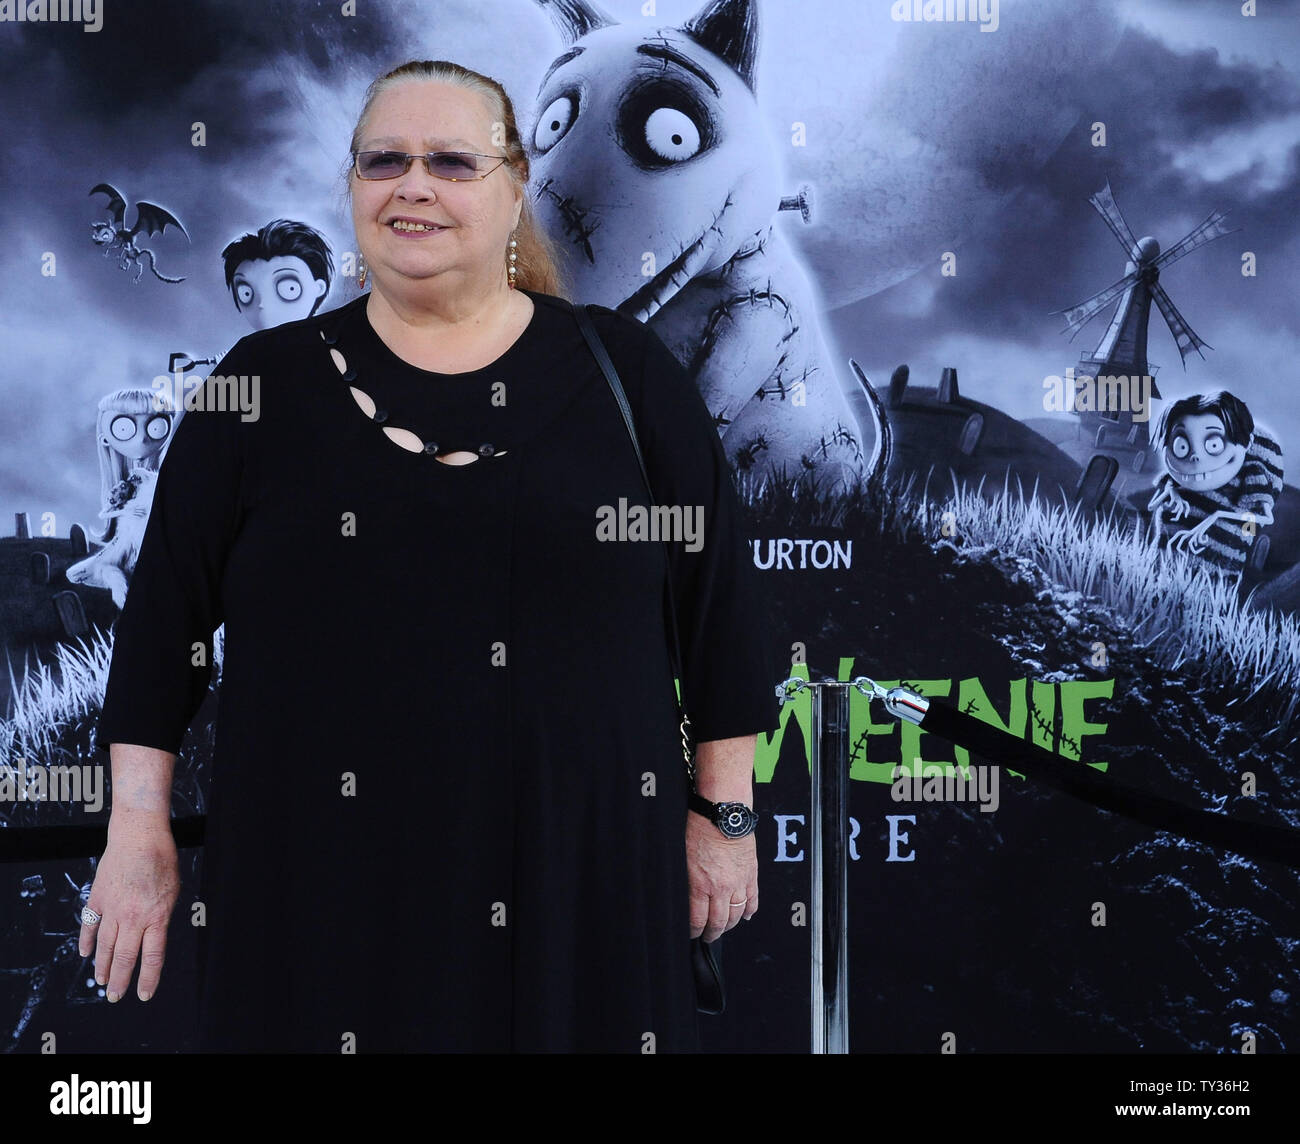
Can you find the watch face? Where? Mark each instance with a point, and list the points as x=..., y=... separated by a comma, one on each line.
x=735, y=819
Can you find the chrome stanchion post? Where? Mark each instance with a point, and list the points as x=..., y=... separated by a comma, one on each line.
x=817, y=994
x=829, y=814
x=829, y=840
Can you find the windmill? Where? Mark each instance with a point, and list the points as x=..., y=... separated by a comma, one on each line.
x=1122, y=351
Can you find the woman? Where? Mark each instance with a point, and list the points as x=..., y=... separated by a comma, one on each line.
x=448, y=809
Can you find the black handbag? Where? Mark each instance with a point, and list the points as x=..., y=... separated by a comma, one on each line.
x=710, y=993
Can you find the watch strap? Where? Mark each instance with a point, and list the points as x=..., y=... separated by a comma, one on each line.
x=702, y=805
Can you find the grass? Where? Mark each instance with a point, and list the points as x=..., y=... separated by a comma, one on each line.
x=52, y=707
x=47, y=699
x=1185, y=616
x=1173, y=606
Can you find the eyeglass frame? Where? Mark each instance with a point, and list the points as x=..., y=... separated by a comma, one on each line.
x=426, y=156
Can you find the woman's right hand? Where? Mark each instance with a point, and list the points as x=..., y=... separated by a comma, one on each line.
x=136, y=886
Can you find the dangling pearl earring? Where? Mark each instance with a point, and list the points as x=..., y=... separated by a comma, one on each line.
x=510, y=262
x=361, y=278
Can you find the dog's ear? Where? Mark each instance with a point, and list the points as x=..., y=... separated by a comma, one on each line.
x=575, y=18
x=729, y=29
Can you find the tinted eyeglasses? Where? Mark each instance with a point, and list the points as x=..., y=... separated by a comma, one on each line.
x=455, y=166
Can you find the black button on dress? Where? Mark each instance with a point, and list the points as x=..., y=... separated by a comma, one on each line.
x=447, y=803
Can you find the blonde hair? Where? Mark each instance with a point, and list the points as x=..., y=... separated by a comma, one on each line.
x=536, y=265
x=113, y=466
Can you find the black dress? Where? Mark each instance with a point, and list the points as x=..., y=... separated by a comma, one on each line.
x=447, y=804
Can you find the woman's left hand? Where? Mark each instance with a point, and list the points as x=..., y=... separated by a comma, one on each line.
x=723, y=875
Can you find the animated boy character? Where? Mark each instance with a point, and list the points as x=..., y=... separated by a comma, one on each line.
x=280, y=274
x=1223, y=474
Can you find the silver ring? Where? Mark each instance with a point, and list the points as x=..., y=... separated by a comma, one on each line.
x=740, y=903
x=89, y=917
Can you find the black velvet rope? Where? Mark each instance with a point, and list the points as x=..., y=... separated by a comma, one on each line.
x=1254, y=840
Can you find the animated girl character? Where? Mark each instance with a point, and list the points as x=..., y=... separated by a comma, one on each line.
x=280, y=274
x=132, y=429
x=1223, y=474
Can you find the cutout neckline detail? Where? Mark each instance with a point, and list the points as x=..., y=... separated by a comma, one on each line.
x=406, y=439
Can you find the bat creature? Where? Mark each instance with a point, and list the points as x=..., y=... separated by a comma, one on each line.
x=114, y=236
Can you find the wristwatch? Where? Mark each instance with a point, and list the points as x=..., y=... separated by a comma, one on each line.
x=734, y=819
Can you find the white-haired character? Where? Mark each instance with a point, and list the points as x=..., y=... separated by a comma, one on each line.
x=132, y=428
x=1223, y=474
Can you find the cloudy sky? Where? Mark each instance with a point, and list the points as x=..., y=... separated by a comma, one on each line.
x=1202, y=111
x=918, y=139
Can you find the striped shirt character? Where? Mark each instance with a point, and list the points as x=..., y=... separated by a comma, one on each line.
x=1224, y=473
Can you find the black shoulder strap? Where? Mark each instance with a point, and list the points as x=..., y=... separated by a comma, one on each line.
x=588, y=329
